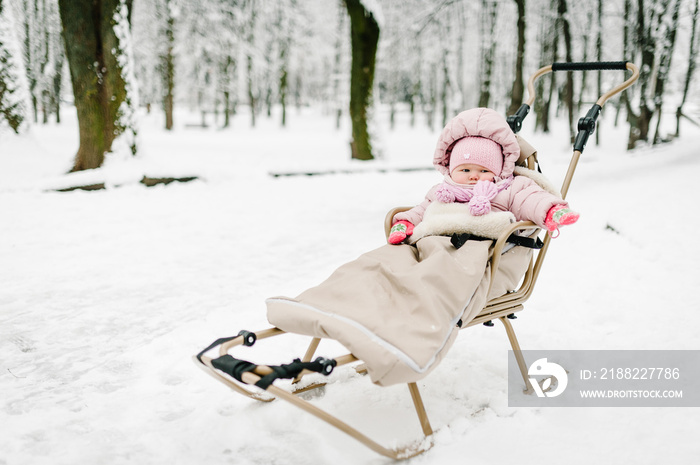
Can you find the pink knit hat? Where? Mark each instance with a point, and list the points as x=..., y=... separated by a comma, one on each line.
x=478, y=151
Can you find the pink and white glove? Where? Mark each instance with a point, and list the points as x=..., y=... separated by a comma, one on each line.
x=400, y=231
x=559, y=215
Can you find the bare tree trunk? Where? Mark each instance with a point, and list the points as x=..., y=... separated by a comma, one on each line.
x=446, y=87
x=517, y=91
x=284, y=46
x=584, y=74
x=430, y=103
x=228, y=69
x=99, y=88
x=460, y=84
x=416, y=89
x=336, y=67
x=489, y=13
x=169, y=66
x=549, y=51
x=364, y=33
x=669, y=44
x=569, y=89
x=628, y=54
x=692, y=59
x=283, y=82
x=45, y=95
x=599, y=57
x=268, y=81
x=11, y=106
x=646, y=27
x=29, y=59
x=252, y=100
x=392, y=84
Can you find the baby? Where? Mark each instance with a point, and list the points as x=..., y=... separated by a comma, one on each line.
x=477, y=152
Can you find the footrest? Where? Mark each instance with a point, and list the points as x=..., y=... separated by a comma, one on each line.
x=236, y=367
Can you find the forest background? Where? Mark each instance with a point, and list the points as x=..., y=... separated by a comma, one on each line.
x=431, y=59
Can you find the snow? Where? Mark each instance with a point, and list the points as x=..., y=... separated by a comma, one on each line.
x=374, y=8
x=107, y=294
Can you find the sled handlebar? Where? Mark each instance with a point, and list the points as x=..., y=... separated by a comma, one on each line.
x=586, y=66
x=590, y=66
x=515, y=121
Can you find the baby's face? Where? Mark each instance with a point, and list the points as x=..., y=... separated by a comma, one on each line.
x=469, y=173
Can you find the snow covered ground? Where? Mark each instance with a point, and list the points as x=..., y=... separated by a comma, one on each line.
x=106, y=295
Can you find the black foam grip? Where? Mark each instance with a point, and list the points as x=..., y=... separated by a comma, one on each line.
x=590, y=66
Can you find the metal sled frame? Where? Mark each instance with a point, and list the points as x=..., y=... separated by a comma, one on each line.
x=502, y=308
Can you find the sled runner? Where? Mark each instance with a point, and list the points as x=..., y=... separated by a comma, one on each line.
x=384, y=307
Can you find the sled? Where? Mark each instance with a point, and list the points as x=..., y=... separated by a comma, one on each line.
x=257, y=381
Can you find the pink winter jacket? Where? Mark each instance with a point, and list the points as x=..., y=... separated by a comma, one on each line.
x=524, y=198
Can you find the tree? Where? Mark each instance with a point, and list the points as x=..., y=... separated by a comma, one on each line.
x=12, y=100
x=489, y=13
x=549, y=49
x=228, y=61
x=250, y=68
x=692, y=59
x=43, y=56
x=167, y=60
x=337, y=65
x=364, y=34
x=96, y=35
x=667, y=47
x=599, y=56
x=563, y=21
x=649, y=19
x=285, y=26
x=518, y=89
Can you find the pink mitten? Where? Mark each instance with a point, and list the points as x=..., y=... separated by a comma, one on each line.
x=484, y=192
x=400, y=231
x=559, y=215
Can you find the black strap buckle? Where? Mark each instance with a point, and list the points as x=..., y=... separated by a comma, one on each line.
x=458, y=240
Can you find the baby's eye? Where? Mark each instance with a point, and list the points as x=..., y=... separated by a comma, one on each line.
x=484, y=171
x=465, y=170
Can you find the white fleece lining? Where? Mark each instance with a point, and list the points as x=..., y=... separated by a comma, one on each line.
x=442, y=219
x=407, y=360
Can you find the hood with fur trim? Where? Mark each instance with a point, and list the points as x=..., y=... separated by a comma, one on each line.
x=482, y=122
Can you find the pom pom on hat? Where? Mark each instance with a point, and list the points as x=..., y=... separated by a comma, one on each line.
x=478, y=151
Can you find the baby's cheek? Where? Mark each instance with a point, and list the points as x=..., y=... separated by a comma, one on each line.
x=460, y=178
